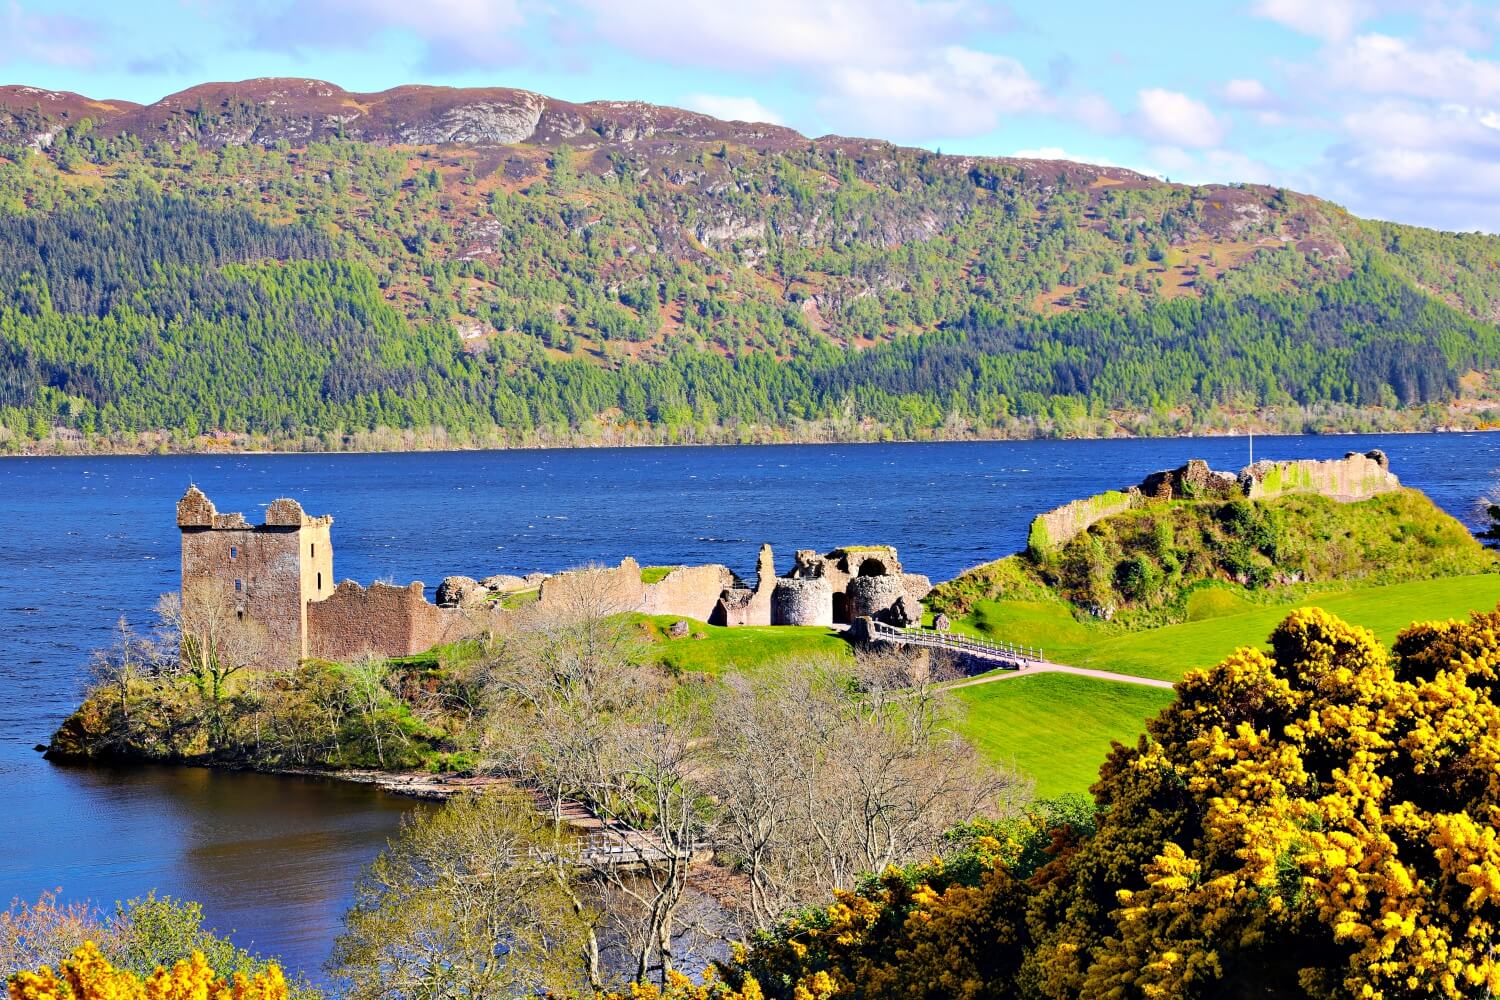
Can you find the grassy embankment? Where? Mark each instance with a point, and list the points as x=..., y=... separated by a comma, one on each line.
x=1190, y=582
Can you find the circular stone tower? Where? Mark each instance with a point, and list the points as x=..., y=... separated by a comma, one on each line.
x=802, y=602
x=873, y=596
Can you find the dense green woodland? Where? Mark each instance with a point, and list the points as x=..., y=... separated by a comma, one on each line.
x=348, y=293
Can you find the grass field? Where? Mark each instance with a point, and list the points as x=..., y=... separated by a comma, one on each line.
x=1055, y=727
x=1223, y=622
x=713, y=649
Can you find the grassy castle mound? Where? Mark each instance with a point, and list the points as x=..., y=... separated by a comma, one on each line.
x=1168, y=560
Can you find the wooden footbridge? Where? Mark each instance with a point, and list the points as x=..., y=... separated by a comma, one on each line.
x=1006, y=655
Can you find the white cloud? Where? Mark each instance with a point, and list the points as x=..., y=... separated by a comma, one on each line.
x=1059, y=153
x=1382, y=64
x=1210, y=166
x=1248, y=93
x=819, y=34
x=959, y=92
x=1176, y=119
x=742, y=109
x=1433, y=165
x=896, y=69
x=1327, y=19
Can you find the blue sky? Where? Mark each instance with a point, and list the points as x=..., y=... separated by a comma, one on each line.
x=1391, y=107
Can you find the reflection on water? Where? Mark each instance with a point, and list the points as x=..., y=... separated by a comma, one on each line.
x=271, y=858
x=85, y=541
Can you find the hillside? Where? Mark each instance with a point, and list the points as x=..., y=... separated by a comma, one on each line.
x=284, y=262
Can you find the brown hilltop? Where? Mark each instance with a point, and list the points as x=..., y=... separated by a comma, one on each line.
x=268, y=110
x=59, y=107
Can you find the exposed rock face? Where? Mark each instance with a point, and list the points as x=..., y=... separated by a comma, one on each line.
x=499, y=122
x=680, y=629
x=458, y=591
x=807, y=601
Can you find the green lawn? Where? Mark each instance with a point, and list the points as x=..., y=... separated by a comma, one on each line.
x=1055, y=727
x=1224, y=623
x=744, y=647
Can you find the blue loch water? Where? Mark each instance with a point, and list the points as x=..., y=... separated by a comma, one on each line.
x=84, y=541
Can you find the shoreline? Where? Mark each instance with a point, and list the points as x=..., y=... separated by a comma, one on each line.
x=805, y=442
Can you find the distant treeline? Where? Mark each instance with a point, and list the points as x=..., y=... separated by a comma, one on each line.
x=149, y=310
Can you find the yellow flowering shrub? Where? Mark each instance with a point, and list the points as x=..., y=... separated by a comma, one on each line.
x=1321, y=820
x=88, y=975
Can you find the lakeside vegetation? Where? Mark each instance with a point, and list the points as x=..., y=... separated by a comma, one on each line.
x=358, y=296
x=871, y=831
x=1230, y=848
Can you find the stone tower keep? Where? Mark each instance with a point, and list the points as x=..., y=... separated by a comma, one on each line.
x=254, y=581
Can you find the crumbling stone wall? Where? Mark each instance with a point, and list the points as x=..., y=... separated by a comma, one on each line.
x=806, y=601
x=593, y=590
x=386, y=621
x=917, y=586
x=1354, y=477
x=689, y=592
x=1057, y=527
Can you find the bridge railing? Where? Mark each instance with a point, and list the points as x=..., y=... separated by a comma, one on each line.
x=1006, y=651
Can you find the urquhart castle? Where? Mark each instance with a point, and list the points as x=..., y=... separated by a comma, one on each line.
x=272, y=585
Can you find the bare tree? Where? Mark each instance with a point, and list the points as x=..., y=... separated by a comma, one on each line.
x=367, y=677
x=213, y=644
x=122, y=668
x=819, y=781
x=652, y=796
x=465, y=903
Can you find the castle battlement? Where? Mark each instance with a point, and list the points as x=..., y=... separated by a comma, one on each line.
x=196, y=511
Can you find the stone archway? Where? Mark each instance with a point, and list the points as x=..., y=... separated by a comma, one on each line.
x=872, y=566
x=840, y=608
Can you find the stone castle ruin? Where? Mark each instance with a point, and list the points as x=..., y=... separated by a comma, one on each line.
x=1349, y=479
x=834, y=588
x=268, y=590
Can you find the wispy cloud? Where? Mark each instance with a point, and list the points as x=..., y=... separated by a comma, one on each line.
x=51, y=38
x=743, y=109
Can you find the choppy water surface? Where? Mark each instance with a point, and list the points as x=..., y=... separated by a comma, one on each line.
x=85, y=541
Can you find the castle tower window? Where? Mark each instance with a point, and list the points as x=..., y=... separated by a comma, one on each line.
x=233, y=553
x=239, y=585
x=312, y=549
x=320, y=581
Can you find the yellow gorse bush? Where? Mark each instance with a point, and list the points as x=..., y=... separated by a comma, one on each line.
x=88, y=975
x=1319, y=820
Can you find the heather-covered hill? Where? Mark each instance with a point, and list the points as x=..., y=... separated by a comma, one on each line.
x=432, y=264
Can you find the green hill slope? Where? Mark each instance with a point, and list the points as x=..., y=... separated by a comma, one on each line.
x=251, y=260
